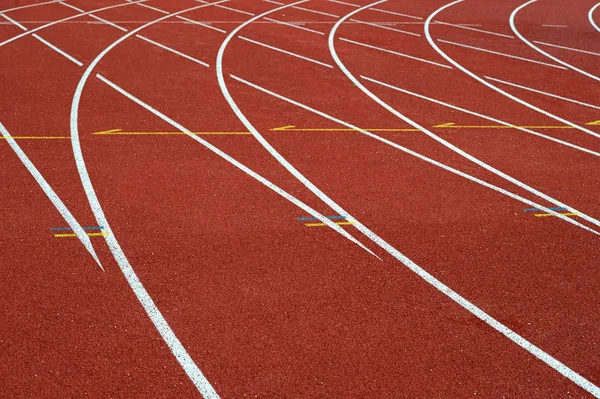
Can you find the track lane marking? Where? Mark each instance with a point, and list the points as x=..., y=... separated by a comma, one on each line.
x=566, y=48
x=167, y=334
x=487, y=84
x=513, y=26
x=303, y=9
x=34, y=30
x=172, y=50
x=28, y=6
x=80, y=233
x=475, y=29
x=395, y=53
x=181, y=17
x=410, y=152
x=104, y=21
x=500, y=54
x=544, y=93
x=284, y=51
x=376, y=25
x=591, y=17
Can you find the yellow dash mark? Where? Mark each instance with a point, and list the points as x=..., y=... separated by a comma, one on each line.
x=594, y=123
x=119, y=132
x=323, y=224
x=452, y=125
x=38, y=137
x=295, y=129
x=549, y=214
x=75, y=235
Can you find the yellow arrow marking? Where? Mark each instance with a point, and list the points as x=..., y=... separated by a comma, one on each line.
x=323, y=224
x=594, y=123
x=449, y=124
x=452, y=125
x=75, y=235
x=549, y=214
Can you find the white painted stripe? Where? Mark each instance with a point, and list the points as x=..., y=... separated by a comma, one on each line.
x=501, y=54
x=12, y=21
x=591, y=17
x=165, y=331
x=47, y=43
x=29, y=6
x=475, y=29
x=104, y=21
x=539, y=50
x=148, y=6
x=470, y=307
x=260, y=138
x=285, y=52
x=386, y=27
x=395, y=53
x=544, y=93
x=567, y=48
x=430, y=134
x=376, y=9
x=179, y=53
x=59, y=51
x=52, y=196
x=65, y=19
x=489, y=118
x=415, y=154
x=237, y=164
x=293, y=25
x=228, y=8
x=484, y=82
x=555, y=26
x=184, y=18
x=304, y=9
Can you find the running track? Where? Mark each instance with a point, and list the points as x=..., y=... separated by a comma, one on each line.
x=314, y=199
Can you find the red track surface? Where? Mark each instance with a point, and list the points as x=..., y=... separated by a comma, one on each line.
x=263, y=305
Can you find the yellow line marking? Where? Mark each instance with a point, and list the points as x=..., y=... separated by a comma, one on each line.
x=38, y=137
x=323, y=224
x=292, y=128
x=75, y=235
x=594, y=123
x=549, y=214
x=451, y=125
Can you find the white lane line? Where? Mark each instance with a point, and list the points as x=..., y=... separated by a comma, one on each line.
x=179, y=53
x=376, y=25
x=415, y=154
x=161, y=325
x=555, y=26
x=181, y=17
x=29, y=6
x=567, y=48
x=591, y=17
x=237, y=164
x=501, y=54
x=486, y=83
x=430, y=134
x=47, y=43
x=95, y=17
x=59, y=51
x=52, y=196
x=475, y=29
x=544, y=93
x=293, y=25
x=376, y=9
x=539, y=50
x=29, y=32
x=285, y=52
x=304, y=9
x=395, y=53
x=228, y=8
x=262, y=140
x=489, y=118
x=466, y=304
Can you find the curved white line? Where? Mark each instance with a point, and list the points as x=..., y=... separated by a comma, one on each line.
x=29, y=32
x=52, y=196
x=482, y=81
x=165, y=331
x=539, y=50
x=440, y=140
x=529, y=347
x=489, y=118
x=261, y=139
x=591, y=17
x=28, y=6
x=413, y=153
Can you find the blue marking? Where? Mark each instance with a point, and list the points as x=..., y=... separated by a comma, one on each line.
x=70, y=229
x=536, y=209
x=328, y=217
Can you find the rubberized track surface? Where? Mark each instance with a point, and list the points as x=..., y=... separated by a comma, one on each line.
x=317, y=199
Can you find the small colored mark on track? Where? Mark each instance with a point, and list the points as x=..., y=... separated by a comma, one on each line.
x=561, y=210
x=119, y=132
x=336, y=217
x=86, y=228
